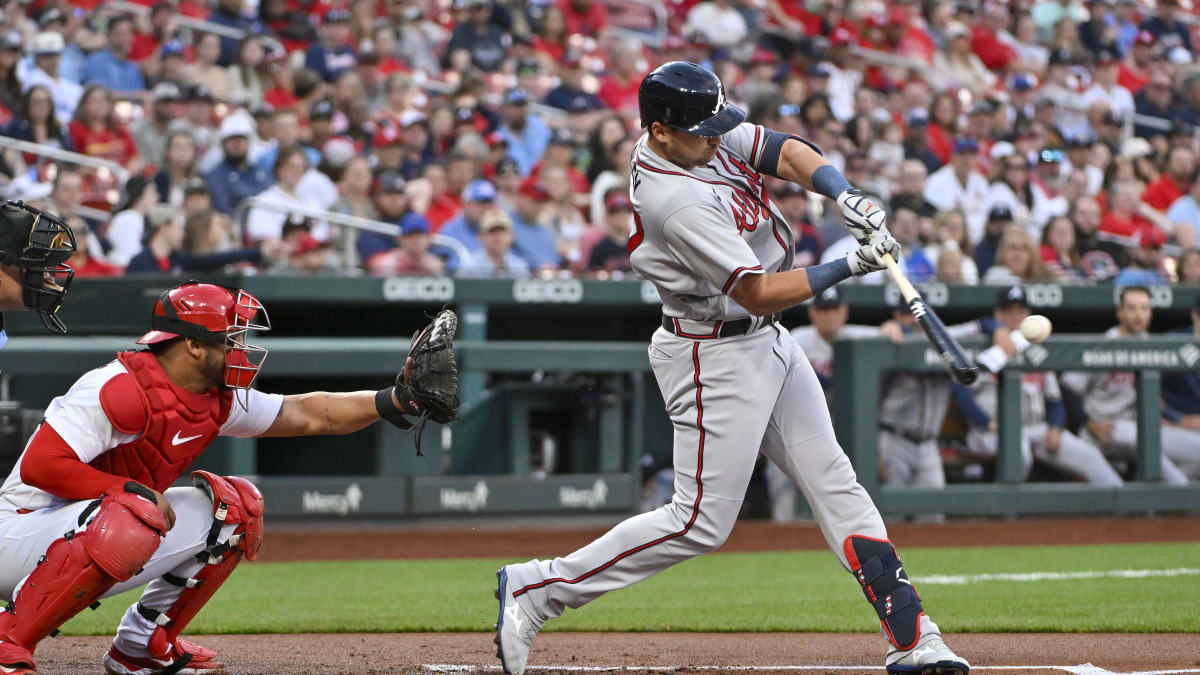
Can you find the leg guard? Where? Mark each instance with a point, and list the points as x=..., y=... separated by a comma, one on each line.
x=877, y=567
x=78, y=568
x=235, y=501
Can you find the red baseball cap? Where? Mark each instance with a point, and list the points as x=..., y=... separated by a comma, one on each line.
x=386, y=136
x=531, y=187
x=617, y=200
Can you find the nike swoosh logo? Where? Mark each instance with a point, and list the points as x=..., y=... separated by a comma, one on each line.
x=514, y=616
x=177, y=440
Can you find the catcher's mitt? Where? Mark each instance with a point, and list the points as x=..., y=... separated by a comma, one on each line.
x=430, y=375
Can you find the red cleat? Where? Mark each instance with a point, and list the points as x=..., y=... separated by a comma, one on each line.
x=189, y=658
x=16, y=660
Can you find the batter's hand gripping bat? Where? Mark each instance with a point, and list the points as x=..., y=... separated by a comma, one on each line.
x=951, y=352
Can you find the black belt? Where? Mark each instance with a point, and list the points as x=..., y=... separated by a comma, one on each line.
x=906, y=435
x=720, y=328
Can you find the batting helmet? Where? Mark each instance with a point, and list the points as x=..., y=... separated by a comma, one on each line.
x=216, y=314
x=38, y=245
x=688, y=97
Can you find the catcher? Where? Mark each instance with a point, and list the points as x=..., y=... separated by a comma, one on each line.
x=99, y=466
x=34, y=248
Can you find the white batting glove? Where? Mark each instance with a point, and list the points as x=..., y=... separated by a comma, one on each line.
x=863, y=217
x=869, y=257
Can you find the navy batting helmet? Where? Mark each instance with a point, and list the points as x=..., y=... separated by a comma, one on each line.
x=688, y=97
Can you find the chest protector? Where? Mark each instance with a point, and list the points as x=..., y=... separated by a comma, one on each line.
x=175, y=425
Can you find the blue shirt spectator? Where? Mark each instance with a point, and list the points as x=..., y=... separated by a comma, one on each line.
x=111, y=66
x=534, y=242
x=235, y=179
x=478, y=199
x=527, y=135
x=229, y=13
x=1186, y=210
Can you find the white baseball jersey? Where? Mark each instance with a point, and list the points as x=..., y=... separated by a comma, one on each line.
x=80, y=420
x=1106, y=395
x=698, y=231
x=1036, y=388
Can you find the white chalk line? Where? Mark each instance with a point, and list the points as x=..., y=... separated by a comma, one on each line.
x=1083, y=669
x=964, y=579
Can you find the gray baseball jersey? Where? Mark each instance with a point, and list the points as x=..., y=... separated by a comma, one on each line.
x=1036, y=388
x=1106, y=395
x=698, y=232
x=820, y=352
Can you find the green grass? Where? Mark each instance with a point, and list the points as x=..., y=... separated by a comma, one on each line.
x=794, y=591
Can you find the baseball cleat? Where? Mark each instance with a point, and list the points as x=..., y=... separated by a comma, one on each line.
x=931, y=656
x=515, y=629
x=195, y=660
x=16, y=660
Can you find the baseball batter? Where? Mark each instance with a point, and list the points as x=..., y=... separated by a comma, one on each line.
x=86, y=513
x=1042, y=413
x=734, y=381
x=1110, y=401
x=34, y=248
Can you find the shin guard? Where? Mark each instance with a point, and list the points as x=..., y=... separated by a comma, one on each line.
x=78, y=568
x=235, y=502
x=886, y=586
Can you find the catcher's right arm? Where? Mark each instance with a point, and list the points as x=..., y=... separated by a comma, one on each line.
x=428, y=384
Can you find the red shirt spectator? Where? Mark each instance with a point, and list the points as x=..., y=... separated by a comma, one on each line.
x=1132, y=78
x=91, y=267
x=995, y=54
x=107, y=142
x=441, y=209
x=1163, y=191
x=586, y=17
x=620, y=94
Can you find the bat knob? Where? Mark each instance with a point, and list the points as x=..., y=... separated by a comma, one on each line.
x=967, y=376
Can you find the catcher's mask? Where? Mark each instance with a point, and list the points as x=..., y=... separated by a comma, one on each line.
x=216, y=314
x=38, y=245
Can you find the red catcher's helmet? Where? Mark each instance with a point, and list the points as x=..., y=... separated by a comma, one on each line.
x=216, y=314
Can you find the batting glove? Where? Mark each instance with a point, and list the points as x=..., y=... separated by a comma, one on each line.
x=869, y=257
x=863, y=217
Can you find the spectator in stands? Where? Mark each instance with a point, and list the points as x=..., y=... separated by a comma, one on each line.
x=560, y=154
x=205, y=70
x=1018, y=260
x=1101, y=260
x=1175, y=181
x=495, y=258
x=198, y=117
x=1104, y=403
x=287, y=129
x=66, y=197
x=392, y=204
x=110, y=67
x=1184, y=213
x=196, y=196
x=163, y=252
x=536, y=243
x=1156, y=99
x=526, y=134
x=207, y=231
x=910, y=189
x=792, y=200
x=246, y=76
x=916, y=140
x=308, y=256
x=1167, y=28
x=1099, y=33
x=332, y=55
x=959, y=185
x=150, y=132
x=171, y=65
x=291, y=164
x=1059, y=253
x=35, y=122
x=47, y=56
x=82, y=261
x=1189, y=267
x=354, y=189
x=1126, y=213
x=177, y=169
x=570, y=94
x=477, y=199
x=584, y=17
x=610, y=254
x=229, y=13
x=619, y=89
x=11, y=44
x=235, y=179
x=719, y=21
x=411, y=256
x=1145, y=260
x=475, y=40
x=957, y=65
x=999, y=219
x=561, y=213
x=128, y=225
x=905, y=225
x=949, y=233
x=95, y=130
x=1012, y=189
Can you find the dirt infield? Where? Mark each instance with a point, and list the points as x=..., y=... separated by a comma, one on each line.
x=660, y=652
x=674, y=652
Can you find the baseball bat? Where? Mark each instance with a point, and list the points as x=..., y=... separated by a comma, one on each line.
x=951, y=352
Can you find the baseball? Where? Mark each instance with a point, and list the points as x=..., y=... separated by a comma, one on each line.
x=1036, y=328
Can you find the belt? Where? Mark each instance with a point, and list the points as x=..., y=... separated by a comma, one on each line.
x=906, y=435
x=720, y=328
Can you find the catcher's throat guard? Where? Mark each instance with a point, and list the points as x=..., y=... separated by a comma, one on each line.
x=38, y=245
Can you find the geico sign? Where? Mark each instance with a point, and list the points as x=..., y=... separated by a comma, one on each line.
x=418, y=288
x=1044, y=295
x=564, y=290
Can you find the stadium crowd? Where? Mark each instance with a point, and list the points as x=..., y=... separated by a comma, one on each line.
x=1010, y=142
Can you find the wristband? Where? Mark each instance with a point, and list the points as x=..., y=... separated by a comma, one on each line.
x=822, y=277
x=388, y=411
x=828, y=181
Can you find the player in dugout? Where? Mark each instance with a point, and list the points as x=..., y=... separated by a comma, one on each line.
x=34, y=276
x=99, y=467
